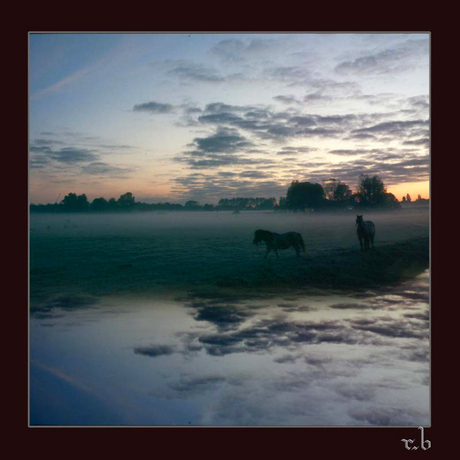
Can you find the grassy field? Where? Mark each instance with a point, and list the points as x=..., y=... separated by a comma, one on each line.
x=177, y=251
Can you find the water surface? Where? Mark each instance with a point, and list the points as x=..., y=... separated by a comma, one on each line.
x=212, y=358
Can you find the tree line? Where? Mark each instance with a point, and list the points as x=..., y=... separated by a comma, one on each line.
x=333, y=194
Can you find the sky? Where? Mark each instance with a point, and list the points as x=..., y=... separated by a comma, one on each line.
x=180, y=116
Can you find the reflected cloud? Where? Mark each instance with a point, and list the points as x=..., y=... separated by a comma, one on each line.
x=152, y=351
x=50, y=307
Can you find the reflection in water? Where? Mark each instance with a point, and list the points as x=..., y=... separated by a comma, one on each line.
x=226, y=359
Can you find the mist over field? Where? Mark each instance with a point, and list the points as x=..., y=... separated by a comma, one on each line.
x=176, y=251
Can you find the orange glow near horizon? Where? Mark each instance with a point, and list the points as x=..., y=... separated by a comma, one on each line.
x=412, y=188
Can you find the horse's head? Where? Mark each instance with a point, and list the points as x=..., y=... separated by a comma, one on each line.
x=359, y=219
x=260, y=235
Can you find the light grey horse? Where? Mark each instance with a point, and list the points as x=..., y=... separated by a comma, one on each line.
x=366, y=232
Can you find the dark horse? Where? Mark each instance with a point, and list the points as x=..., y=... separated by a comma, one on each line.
x=277, y=241
x=366, y=232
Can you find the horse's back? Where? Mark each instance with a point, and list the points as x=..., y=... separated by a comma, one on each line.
x=366, y=229
x=286, y=240
x=370, y=227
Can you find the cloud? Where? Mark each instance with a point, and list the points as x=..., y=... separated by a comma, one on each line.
x=70, y=155
x=224, y=147
x=348, y=152
x=287, y=99
x=153, y=351
x=103, y=169
x=424, y=142
x=314, y=382
x=393, y=328
x=391, y=127
x=288, y=358
x=81, y=152
x=223, y=316
x=265, y=123
x=244, y=49
x=189, y=71
x=294, y=150
x=63, y=302
x=223, y=141
x=398, y=58
x=355, y=306
x=385, y=416
x=153, y=107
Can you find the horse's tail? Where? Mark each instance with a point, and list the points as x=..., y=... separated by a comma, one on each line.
x=302, y=243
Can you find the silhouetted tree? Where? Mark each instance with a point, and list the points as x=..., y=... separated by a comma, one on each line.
x=391, y=202
x=112, y=204
x=192, y=204
x=74, y=203
x=342, y=193
x=371, y=191
x=99, y=205
x=329, y=187
x=126, y=202
x=302, y=195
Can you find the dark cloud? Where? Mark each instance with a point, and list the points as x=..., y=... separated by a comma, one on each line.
x=277, y=332
x=62, y=302
x=393, y=328
x=222, y=316
x=267, y=124
x=289, y=358
x=393, y=127
x=294, y=150
x=154, y=351
x=223, y=141
x=226, y=147
x=39, y=162
x=254, y=174
x=71, y=155
x=153, y=107
x=424, y=142
x=219, y=107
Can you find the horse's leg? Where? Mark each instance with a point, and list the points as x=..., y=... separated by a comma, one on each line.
x=268, y=252
x=361, y=243
x=297, y=250
x=276, y=252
